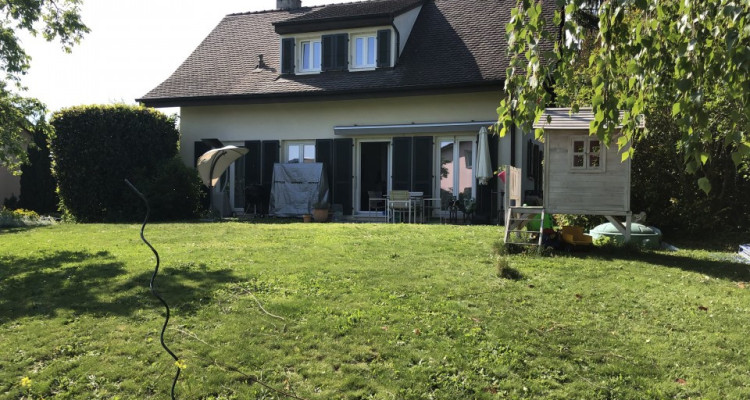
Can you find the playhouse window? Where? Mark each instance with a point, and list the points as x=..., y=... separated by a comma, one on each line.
x=587, y=154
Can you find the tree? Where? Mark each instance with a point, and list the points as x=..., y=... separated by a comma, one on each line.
x=648, y=52
x=53, y=19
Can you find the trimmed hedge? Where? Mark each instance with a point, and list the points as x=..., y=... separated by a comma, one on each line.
x=95, y=148
x=37, y=183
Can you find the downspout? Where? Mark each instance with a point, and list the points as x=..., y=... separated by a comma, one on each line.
x=398, y=40
x=513, y=138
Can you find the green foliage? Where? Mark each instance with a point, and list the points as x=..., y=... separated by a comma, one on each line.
x=96, y=148
x=37, y=183
x=647, y=52
x=585, y=221
x=55, y=19
x=174, y=191
x=21, y=217
x=668, y=193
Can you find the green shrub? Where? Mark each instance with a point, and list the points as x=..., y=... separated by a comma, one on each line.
x=670, y=195
x=37, y=183
x=587, y=222
x=174, y=191
x=21, y=217
x=97, y=147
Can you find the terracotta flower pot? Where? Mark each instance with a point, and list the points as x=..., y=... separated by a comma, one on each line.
x=306, y=217
x=320, y=214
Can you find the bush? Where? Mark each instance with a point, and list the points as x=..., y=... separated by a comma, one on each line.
x=37, y=183
x=174, y=191
x=671, y=197
x=97, y=147
x=21, y=217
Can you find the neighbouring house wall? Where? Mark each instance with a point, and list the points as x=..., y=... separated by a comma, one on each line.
x=578, y=192
x=9, y=185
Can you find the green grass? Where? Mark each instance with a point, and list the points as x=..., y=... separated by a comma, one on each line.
x=370, y=311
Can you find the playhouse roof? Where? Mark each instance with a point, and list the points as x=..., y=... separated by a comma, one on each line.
x=563, y=119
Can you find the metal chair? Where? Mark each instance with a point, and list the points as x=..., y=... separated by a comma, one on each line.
x=399, y=202
x=375, y=201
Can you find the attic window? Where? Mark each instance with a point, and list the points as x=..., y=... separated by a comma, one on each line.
x=310, y=55
x=364, y=49
x=587, y=154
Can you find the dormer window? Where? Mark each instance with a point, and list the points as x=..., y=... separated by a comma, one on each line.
x=364, y=51
x=361, y=50
x=310, y=55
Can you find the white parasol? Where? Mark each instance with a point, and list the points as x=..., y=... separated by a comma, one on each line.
x=484, y=167
x=214, y=162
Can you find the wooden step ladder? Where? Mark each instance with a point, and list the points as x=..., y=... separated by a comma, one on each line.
x=516, y=218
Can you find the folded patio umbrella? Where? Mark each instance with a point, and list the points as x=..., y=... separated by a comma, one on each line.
x=484, y=168
x=214, y=162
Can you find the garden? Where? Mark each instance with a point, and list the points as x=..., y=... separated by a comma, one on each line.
x=363, y=311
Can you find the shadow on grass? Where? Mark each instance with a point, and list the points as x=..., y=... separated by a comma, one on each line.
x=97, y=284
x=720, y=267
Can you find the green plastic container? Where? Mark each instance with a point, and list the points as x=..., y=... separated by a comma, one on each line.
x=644, y=236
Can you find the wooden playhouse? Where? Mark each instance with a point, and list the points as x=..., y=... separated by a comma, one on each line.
x=581, y=176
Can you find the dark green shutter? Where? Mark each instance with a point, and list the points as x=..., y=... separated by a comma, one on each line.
x=335, y=52
x=269, y=157
x=324, y=154
x=287, y=56
x=252, y=163
x=422, y=165
x=402, y=154
x=384, y=48
x=343, y=174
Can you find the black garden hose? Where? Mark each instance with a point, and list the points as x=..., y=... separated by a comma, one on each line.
x=153, y=289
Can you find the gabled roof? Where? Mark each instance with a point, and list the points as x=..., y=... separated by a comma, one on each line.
x=347, y=15
x=562, y=119
x=454, y=44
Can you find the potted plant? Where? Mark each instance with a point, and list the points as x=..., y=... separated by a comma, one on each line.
x=320, y=211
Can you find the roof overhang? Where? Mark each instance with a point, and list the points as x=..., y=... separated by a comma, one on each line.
x=410, y=129
x=333, y=24
x=294, y=97
x=309, y=23
x=556, y=119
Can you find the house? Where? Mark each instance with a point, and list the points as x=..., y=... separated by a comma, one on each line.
x=388, y=94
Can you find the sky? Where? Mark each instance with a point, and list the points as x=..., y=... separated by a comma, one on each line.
x=133, y=46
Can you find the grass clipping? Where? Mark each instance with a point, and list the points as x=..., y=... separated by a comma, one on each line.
x=502, y=265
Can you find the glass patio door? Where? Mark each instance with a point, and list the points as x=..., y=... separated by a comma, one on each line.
x=456, y=179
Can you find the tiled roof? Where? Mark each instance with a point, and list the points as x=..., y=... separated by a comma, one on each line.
x=454, y=43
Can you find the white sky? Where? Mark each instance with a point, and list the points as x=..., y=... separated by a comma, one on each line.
x=133, y=46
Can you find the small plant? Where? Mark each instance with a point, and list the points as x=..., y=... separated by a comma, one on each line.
x=21, y=217
x=321, y=205
x=505, y=271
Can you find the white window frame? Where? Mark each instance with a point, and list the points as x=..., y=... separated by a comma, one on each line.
x=301, y=55
x=456, y=140
x=366, y=49
x=300, y=145
x=586, y=154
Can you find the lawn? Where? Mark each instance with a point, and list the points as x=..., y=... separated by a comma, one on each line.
x=362, y=311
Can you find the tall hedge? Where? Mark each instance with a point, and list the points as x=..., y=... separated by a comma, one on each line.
x=37, y=183
x=95, y=148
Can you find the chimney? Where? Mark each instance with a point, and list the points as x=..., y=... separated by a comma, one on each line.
x=288, y=4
